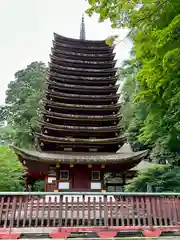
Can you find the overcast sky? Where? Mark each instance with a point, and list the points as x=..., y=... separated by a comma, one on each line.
x=27, y=26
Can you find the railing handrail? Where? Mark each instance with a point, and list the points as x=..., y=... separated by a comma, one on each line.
x=88, y=194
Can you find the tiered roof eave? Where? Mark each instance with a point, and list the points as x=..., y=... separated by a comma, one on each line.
x=83, y=78
x=80, y=117
x=81, y=141
x=81, y=158
x=100, y=98
x=75, y=41
x=60, y=105
x=80, y=87
x=79, y=55
x=94, y=63
x=82, y=71
x=71, y=128
x=79, y=47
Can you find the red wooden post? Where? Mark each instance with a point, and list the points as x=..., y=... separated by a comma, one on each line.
x=37, y=212
x=43, y=212
x=100, y=211
x=111, y=213
x=117, y=212
x=133, y=210
x=178, y=207
x=19, y=210
x=1, y=207
x=174, y=211
x=138, y=212
x=60, y=211
x=94, y=210
x=154, y=213
x=25, y=207
x=72, y=211
x=48, y=211
x=55, y=211
x=143, y=209
x=13, y=212
x=77, y=211
x=7, y=212
x=89, y=212
x=105, y=211
x=66, y=211
x=124, y=210
x=31, y=210
x=149, y=211
x=83, y=210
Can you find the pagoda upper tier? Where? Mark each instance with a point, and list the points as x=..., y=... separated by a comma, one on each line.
x=80, y=103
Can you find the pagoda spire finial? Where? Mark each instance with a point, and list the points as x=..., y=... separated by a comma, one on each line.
x=82, y=29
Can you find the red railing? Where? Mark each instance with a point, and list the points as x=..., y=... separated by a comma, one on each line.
x=88, y=209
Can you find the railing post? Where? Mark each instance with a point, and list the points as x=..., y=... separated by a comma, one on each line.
x=105, y=211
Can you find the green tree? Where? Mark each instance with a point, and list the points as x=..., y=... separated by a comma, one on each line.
x=133, y=114
x=22, y=105
x=161, y=179
x=154, y=29
x=11, y=171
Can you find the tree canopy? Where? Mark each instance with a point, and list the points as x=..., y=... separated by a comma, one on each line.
x=151, y=91
x=154, y=30
x=11, y=171
x=22, y=105
x=160, y=179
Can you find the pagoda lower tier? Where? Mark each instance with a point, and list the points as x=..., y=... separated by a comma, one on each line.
x=64, y=171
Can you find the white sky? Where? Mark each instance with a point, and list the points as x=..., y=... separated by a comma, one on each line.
x=26, y=32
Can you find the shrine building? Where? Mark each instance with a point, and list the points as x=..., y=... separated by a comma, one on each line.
x=80, y=138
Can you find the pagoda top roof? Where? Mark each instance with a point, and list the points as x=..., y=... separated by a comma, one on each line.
x=74, y=40
x=81, y=158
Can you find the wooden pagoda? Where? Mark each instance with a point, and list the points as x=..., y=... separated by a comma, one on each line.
x=80, y=138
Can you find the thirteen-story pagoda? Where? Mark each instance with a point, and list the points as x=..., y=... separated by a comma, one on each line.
x=80, y=138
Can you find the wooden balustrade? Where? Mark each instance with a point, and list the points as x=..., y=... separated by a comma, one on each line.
x=88, y=209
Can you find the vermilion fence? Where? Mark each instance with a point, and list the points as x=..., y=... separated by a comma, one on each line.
x=87, y=210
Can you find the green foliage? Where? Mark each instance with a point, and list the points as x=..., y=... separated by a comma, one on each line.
x=11, y=172
x=22, y=105
x=118, y=11
x=39, y=186
x=110, y=40
x=152, y=109
x=133, y=114
x=160, y=178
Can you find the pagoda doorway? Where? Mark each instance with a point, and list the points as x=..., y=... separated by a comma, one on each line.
x=81, y=179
